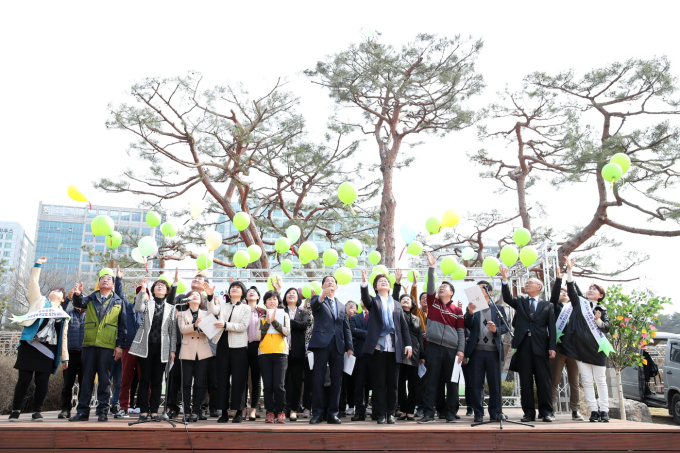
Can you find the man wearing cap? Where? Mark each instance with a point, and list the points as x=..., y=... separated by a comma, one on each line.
x=105, y=330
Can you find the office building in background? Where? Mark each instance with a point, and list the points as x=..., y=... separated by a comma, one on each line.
x=15, y=246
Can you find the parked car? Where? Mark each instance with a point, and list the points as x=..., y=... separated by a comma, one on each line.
x=657, y=384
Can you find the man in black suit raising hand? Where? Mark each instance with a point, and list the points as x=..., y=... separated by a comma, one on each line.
x=535, y=341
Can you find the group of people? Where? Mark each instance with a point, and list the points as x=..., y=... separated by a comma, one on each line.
x=406, y=348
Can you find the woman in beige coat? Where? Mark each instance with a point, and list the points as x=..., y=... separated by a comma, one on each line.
x=195, y=349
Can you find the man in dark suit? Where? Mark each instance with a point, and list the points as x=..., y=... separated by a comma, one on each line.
x=535, y=340
x=358, y=325
x=484, y=349
x=387, y=340
x=331, y=337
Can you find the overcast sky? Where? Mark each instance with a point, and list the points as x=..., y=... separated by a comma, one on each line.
x=64, y=62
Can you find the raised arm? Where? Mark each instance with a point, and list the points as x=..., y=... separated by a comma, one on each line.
x=397, y=285
x=365, y=297
x=142, y=298
x=34, y=295
x=505, y=289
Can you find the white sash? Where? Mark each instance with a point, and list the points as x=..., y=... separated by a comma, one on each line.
x=603, y=343
x=562, y=321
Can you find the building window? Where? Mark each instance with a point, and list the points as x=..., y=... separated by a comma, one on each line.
x=56, y=210
x=6, y=253
x=92, y=213
x=8, y=245
x=68, y=211
x=103, y=212
x=136, y=216
x=125, y=216
x=113, y=215
x=8, y=236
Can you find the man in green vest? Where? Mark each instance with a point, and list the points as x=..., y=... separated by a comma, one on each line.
x=104, y=333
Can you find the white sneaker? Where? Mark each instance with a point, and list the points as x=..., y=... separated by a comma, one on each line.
x=350, y=411
x=121, y=414
x=133, y=411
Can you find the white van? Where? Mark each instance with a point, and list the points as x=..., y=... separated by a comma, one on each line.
x=657, y=384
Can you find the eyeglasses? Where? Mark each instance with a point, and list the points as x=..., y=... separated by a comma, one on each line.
x=531, y=283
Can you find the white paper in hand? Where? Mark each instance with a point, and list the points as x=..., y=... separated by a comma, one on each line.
x=421, y=370
x=310, y=359
x=476, y=296
x=280, y=313
x=349, y=363
x=207, y=325
x=457, y=368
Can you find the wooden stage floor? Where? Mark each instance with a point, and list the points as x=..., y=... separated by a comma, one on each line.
x=563, y=435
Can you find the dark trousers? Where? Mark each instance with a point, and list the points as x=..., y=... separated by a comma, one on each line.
x=255, y=375
x=347, y=391
x=294, y=376
x=439, y=363
x=211, y=385
x=96, y=361
x=151, y=381
x=534, y=366
x=273, y=369
x=133, y=389
x=361, y=384
x=75, y=369
x=484, y=363
x=385, y=375
x=231, y=362
x=194, y=371
x=116, y=377
x=309, y=385
x=323, y=356
x=408, y=388
x=42, y=380
x=173, y=392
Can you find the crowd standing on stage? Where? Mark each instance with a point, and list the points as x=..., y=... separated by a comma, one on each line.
x=294, y=350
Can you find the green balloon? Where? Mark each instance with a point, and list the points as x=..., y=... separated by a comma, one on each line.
x=241, y=258
x=316, y=286
x=286, y=265
x=282, y=245
x=393, y=279
x=491, y=266
x=521, y=236
x=374, y=257
x=353, y=247
x=181, y=286
x=528, y=256
x=330, y=257
x=270, y=282
x=147, y=246
x=102, y=225
x=432, y=225
x=166, y=279
x=307, y=291
x=241, y=221
x=351, y=262
x=622, y=160
x=509, y=255
x=448, y=265
x=153, y=219
x=612, y=172
x=343, y=275
x=460, y=273
x=347, y=193
x=411, y=273
x=372, y=277
x=168, y=229
x=203, y=261
x=308, y=251
x=106, y=271
x=436, y=278
x=380, y=269
x=414, y=248
x=114, y=240
x=254, y=253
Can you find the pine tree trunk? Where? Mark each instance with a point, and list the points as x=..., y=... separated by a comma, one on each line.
x=388, y=206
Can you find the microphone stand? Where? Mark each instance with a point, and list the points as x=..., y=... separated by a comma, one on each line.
x=501, y=417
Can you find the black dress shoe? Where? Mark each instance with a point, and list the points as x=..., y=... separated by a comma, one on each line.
x=604, y=416
x=315, y=420
x=469, y=411
x=426, y=419
x=143, y=418
x=64, y=414
x=528, y=418
x=457, y=416
x=479, y=418
x=381, y=420
x=171, y=414
x=238, y=418
x=193, y=418
x=103, y=417
x=342, y=414
x=390, y=420
x=202, y=416
x=224, y=418
x=358, y=418
x=548, y=419
x=333, y=420
x=495, y=418
x=594, y=416
x=451, y=418
x=79, y=418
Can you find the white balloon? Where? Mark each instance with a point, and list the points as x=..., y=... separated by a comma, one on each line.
x=293, y=233
x=196, y=207
x=213, y=240
x=467, y=254
x=137, y=256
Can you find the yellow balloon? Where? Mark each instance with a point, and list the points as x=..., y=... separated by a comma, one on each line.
x=196, y=207
x=450, y=218
x=76, y=194
x=213, y=240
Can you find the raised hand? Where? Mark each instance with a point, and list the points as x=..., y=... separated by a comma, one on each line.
x=176, y=274
x=431, y=260
x=364, y=276
x=397, y=275
x=569, y=263
x=558, y=272
x=41, y=260
x=277, y=283
x=208, y=289
x=119, y=272
x=78, y=289
x=504, y=273
x=143, y=283
x=471, y=308
x=232, y=280
x=460, y=304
